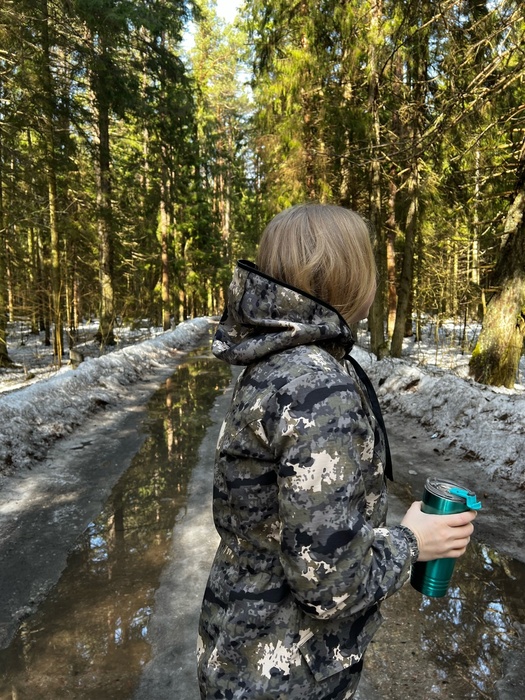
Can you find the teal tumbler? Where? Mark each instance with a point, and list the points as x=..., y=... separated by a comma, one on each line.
x=441, y=497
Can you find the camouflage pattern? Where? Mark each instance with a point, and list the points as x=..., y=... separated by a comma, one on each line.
x=299, y=502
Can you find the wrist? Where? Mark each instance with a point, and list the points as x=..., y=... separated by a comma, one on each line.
x=412, y=542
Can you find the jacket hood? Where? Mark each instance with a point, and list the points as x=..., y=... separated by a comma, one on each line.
x=264, y=315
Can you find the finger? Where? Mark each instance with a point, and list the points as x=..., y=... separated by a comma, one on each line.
x=457, y=535
x=459, y=519
x=462, y=531
x=459, y=547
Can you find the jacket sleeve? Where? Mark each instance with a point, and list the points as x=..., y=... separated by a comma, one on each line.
x=336, y=563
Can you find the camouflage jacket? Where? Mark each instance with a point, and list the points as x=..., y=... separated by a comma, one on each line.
x=299, y=502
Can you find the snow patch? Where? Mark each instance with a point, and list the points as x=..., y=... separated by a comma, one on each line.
x=486, y=423
x=430, y=384
x=31, y=419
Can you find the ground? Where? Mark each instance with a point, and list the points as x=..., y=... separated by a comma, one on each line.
x=41, y=515
x=409, y=655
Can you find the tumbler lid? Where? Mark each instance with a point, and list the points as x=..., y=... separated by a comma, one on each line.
x=451, y=491
x=469, y=496
x=442, y=488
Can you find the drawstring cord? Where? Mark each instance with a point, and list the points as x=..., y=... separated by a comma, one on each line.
x=376, y=409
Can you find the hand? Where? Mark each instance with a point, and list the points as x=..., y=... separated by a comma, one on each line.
x=439, y=536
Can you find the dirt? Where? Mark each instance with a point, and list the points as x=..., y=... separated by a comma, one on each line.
x=468, y=645
x=43, y=510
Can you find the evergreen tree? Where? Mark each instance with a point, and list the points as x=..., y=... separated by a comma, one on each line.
x=219, y=64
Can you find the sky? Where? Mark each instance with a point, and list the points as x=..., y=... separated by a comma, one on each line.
x=228, y=8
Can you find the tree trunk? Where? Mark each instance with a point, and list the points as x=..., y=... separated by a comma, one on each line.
x=32, y=279
x=100, y=70
x=164, y=233
x=72, y=296
x=5, y=360
x=498, y=351
x=166, y=211
x=42, y=287
x=51, y=176
x=474, y=272
x=496, y=357
x=376, y=317
x=416, y=69
x=107, y=302
x=407, y=271
x=391, y=232
x=4, y=356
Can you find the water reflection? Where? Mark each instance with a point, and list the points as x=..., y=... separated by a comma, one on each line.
x=478, y=621
x=89, y=639
x=453, y=647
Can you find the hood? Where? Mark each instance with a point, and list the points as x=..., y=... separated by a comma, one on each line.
x=264, y=315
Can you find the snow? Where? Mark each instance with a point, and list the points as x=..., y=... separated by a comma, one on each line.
x=430, y=384
x=34, y=417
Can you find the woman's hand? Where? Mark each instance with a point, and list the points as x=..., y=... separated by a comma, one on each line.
x=439, y=536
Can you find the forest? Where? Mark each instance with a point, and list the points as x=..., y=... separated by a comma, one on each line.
x=136, y=167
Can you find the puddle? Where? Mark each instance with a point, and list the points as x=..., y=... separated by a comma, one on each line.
x=88, y=640
x=452, y=647
x=470, y=631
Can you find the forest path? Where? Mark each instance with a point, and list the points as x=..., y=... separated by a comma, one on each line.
x=415, y=654
x=468, y=644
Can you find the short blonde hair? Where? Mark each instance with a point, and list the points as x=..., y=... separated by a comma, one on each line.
x=323, y=250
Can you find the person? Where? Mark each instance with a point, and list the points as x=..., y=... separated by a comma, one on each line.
x=299, y=500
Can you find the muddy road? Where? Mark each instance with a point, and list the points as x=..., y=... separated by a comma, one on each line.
x=105, y=547
x=470, y=643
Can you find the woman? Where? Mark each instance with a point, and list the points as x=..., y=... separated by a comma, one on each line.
x=300, y=496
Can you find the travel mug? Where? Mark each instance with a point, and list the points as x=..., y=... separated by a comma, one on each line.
x=441, y=497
